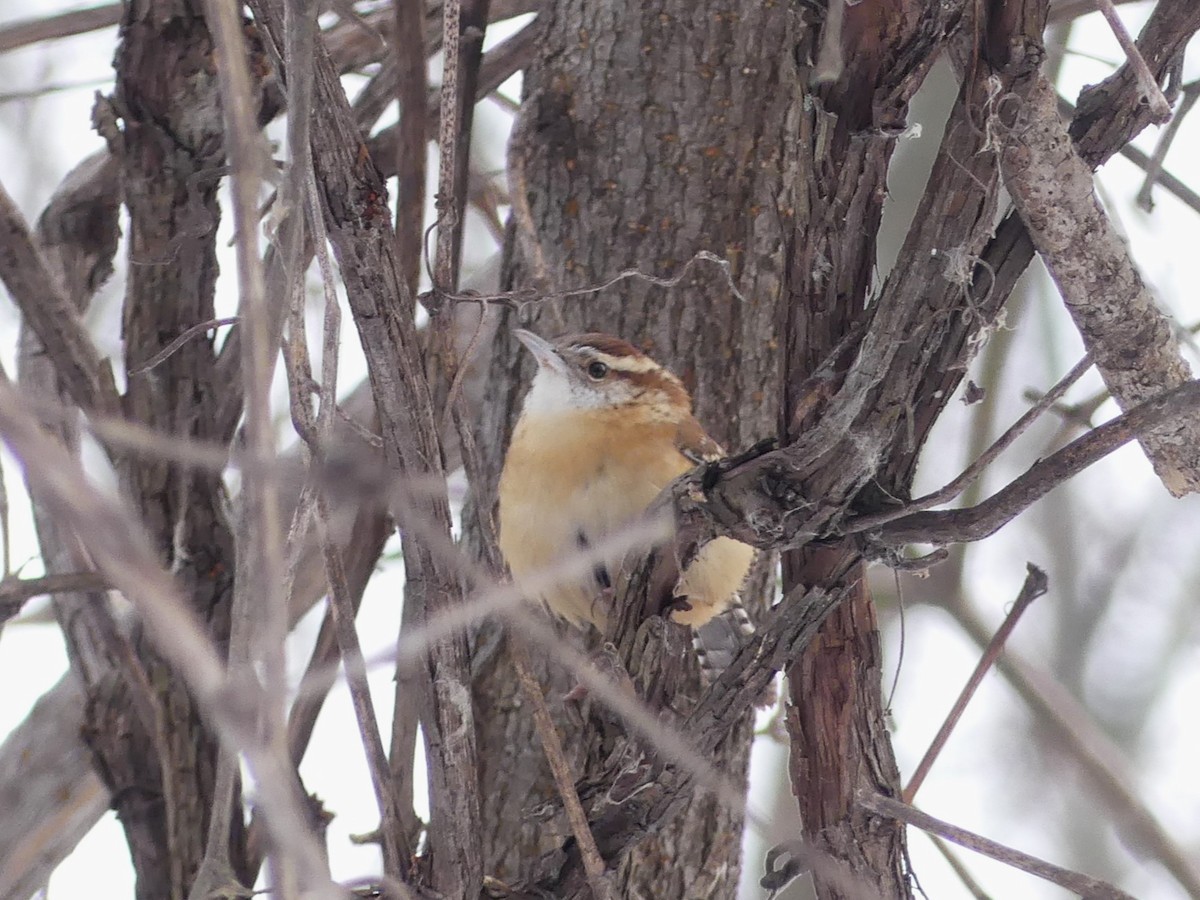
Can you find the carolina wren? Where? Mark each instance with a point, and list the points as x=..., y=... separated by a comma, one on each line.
x=603, y=430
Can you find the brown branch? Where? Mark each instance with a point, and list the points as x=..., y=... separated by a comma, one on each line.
x=1066, y=10
x=352, y=49
x=14, y=592
x=978, y=522
x=259, y=620
x=122, y=552
x=1159, y=107
x=56, y=794
x=342, y=607
x=959, y=868
x=200, y=328
x=972, y=473
x=1190, y=93
x=1034, y=587
x=1151, y=164
x=58, y=797
x=51, y=314
x=352, y=197
x=463, y=27
x=80, y=21
x=1075, y=882
x=564, y=779
x=498, y=64
x=1093, y=750
x=410, y=151
x=1120, y=322
x=52, y=795
x=654, y=791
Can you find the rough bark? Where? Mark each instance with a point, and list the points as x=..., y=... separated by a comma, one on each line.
x=1121, y=324
x=649, y=132
x=353, y=200
x=617, y=170
x=839, y=741
x=150, y=744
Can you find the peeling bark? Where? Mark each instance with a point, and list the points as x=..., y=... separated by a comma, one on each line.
x=1122, y=325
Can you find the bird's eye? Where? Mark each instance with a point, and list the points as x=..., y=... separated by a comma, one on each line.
x=597, y=370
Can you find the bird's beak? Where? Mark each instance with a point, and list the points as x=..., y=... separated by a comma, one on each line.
x=543, y=351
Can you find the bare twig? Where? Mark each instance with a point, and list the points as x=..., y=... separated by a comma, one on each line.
x=259, y=604
x=56, y=795
x=80, y=21
x=1108, y=300
x=1108, y=768
x=448, y=131
x=342, y=609
x=52, y=315
x=1143, y=161
x=122, y=552
x=410, y=151
x=518, y=300
x=502, y=61
x=166, y=353
x=971, y=474
x=1189, y=94
x=1034, y=587
x=964, y=875
x=1073, y=881
x=564, y=779
x=1146, y=80
x=1066, y=10
x=14, y=592
x=317, y=430
x=977, y=522
x=463, y=27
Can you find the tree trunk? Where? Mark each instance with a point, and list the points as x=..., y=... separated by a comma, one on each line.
x=649, y=133
x=151, y=747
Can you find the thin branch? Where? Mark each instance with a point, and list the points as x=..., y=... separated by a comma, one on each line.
x=51, y=314
x=463, y=28
x=1108, y=300
x=410, y=150
x=972, y=473
x=564, y=779
x=978, y=522
x=110, y=532
x=500, y=63
x=259, y=615
x=1189, y=93
x=163, y=355
x=1066, y=10
x=959, y=868
x=1084, y=885
x=518, y=300
x=80, y=21
x=1093, y=750
x=1034, y=587
x=1153, y=94
x=342, y=608
x=15, y=592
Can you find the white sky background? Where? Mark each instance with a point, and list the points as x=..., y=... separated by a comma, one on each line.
x=977, y=782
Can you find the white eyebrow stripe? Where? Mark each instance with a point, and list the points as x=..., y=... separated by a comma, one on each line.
x=637, y=364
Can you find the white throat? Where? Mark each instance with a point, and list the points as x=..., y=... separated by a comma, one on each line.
x=554, y=393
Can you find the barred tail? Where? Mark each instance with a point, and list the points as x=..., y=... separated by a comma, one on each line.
x=718, y=640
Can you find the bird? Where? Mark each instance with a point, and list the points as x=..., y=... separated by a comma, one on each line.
x=603, y=429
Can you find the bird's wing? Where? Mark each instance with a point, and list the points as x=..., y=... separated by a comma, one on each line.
x=693, y=442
